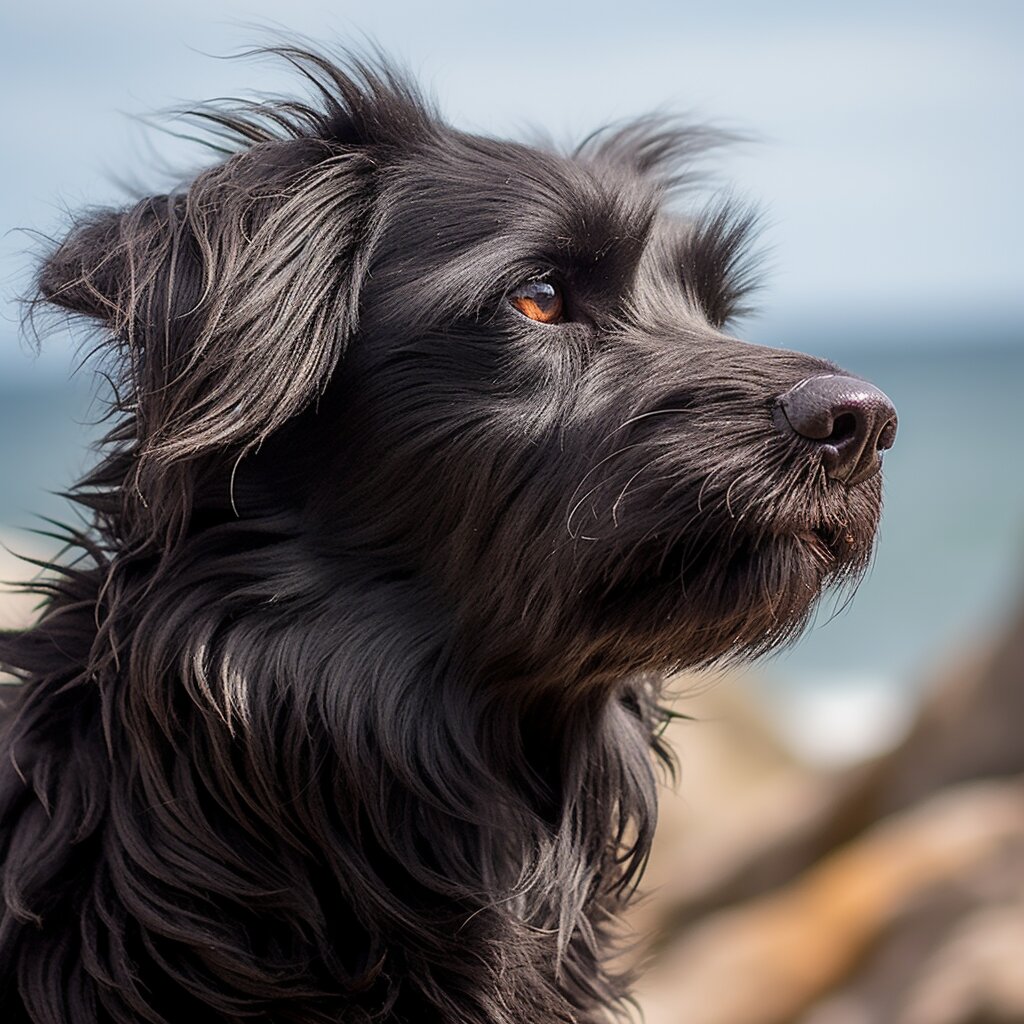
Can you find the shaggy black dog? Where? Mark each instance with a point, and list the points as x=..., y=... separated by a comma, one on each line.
x=431, y=455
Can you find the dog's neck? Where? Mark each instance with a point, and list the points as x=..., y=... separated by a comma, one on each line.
x=254, y=731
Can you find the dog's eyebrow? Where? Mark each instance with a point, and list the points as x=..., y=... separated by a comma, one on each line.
x=620, y=216
x=720, y=270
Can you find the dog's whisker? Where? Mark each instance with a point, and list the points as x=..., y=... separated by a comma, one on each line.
x=633, y=420
x=573, y=510
x=625, y=488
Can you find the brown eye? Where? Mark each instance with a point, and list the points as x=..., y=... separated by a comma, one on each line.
x=539, y=300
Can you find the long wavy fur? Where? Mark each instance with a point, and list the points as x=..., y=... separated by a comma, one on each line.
x=346, y=709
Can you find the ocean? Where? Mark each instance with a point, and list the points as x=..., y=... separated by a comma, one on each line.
x=950, y=559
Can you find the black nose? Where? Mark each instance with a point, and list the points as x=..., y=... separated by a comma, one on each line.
x=849, y=419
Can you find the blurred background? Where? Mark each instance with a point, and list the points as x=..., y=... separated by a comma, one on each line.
x=845, y=843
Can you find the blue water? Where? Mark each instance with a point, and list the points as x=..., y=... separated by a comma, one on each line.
x=951, y=554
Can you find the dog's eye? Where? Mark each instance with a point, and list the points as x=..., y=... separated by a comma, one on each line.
x=539, y=300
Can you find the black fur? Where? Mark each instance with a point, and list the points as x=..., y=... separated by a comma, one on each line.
x=345, y=710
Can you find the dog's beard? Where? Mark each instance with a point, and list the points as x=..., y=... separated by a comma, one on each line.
x=736, y=585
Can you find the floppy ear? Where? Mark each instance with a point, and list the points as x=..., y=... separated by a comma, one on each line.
x=230, y=303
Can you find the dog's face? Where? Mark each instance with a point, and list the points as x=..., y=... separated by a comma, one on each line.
x=507, y=372
x=545, y=409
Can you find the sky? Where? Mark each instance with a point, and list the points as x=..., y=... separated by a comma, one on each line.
x=889, y=136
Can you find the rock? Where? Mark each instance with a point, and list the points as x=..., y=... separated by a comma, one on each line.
x=977, y=975
x=768, y=961
x=968, y=728
x=952, y=953
x=728, y=757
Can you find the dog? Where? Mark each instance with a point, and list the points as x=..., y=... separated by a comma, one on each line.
x=431, y=456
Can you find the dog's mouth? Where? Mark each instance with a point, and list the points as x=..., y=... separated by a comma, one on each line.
x=832, y=545
x=831, y=552
x=814, y=553
x=827, y=548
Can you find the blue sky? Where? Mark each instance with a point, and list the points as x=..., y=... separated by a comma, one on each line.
x=891, y=133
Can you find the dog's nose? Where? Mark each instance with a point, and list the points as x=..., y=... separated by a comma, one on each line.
x=849, y=419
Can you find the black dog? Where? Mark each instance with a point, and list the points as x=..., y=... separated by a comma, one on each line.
x=431, y=457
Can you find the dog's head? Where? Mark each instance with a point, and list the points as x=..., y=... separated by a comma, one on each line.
x=503, y=372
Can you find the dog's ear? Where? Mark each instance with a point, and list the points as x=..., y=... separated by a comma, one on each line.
x=82, y=275
x=228, y=304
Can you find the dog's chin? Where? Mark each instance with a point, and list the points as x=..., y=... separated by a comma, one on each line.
x=771, y=587
x=757, y=599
